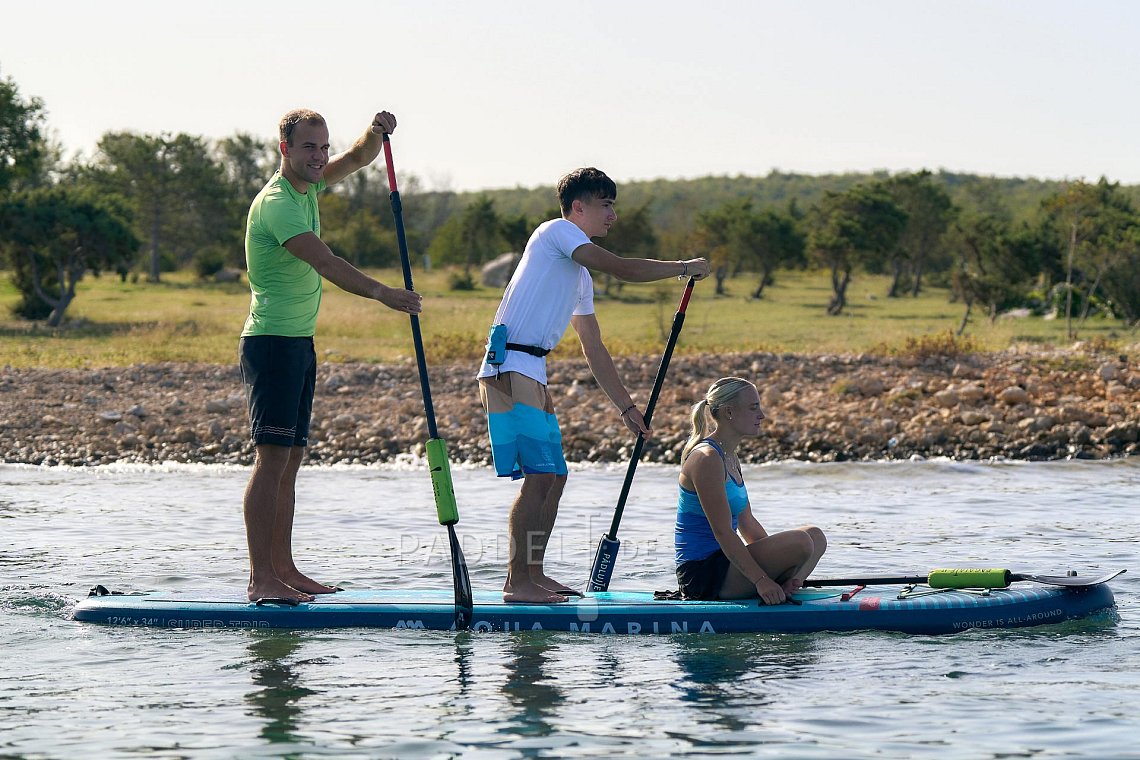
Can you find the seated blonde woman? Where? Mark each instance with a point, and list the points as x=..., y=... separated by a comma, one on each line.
x=723, y=552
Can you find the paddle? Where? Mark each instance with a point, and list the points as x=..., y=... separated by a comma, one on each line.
x=966, y=578
x=608, y=544
x=436, y=447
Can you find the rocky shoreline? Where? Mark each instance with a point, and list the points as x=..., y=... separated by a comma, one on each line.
x=1034, y=404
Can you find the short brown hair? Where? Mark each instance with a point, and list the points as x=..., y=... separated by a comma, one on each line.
x=290, y=121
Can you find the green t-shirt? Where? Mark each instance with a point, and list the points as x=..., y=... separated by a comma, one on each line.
x=286, y=292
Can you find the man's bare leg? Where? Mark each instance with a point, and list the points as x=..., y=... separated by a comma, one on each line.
x=260, y=506
x=525, y=533
x=283, y=565
x=547, y=516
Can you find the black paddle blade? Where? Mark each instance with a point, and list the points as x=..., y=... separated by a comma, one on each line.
x=603, y=568
x=1068, y=580
x=464, y=603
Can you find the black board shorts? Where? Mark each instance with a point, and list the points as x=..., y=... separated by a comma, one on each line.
x=280, y=377
x=702, y=578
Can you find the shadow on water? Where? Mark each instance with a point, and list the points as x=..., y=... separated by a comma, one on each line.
x=278, y=690
x=529, y=687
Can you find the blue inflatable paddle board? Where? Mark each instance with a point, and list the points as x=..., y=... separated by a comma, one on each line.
x=624, y=612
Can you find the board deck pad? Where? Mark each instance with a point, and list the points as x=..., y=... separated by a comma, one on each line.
x=623, y=612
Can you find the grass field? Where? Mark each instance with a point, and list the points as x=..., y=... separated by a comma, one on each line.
x=114, y=324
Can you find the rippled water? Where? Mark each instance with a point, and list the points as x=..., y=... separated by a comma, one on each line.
x=70, y=689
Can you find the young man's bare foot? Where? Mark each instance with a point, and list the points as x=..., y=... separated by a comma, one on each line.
x=548, y=583
x=276, y=589
x=530, y=592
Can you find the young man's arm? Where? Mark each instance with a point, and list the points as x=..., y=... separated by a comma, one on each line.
x=604, y=371
x=595, y=257
x=363, y=152
x=313, y=251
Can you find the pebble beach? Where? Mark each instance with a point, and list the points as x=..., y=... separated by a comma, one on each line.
x=1032, y=404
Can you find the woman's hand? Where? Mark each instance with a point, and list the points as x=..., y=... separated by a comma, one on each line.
x=769, y=591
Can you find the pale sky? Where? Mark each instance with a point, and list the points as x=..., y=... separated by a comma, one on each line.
x=498, y=94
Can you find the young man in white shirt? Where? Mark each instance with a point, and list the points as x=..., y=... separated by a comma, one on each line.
x=550, y=289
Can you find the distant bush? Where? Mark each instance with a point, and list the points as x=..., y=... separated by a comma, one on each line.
x=452, y=346
x=461, y=281
x=209, y=262
x=943, y=344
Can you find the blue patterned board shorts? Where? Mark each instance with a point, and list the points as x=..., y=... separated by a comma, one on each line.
x=525, y=437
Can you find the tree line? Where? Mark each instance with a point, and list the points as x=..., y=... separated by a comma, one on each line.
x=146, y=204
x=1070, y=248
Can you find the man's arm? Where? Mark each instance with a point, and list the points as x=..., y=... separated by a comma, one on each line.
x=363, y=152
x=312, y=250
x=602, y=366
x=597, y=258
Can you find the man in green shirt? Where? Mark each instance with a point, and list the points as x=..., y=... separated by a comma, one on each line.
x=287, y=260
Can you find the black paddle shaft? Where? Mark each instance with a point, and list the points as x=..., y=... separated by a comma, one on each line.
x=406, y=266
x=678, y=321
x=464, y=600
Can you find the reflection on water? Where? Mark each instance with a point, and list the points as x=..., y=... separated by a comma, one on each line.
x=722, y=669
x=278, y=690
x=529, y=687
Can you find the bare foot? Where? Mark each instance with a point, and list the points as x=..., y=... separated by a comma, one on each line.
x=548, y=583
x=532, y=593
x=307, y=584
x=275, y=589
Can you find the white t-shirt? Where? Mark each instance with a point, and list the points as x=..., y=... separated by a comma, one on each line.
x=548, y=287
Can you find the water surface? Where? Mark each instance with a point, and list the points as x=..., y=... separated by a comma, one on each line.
x=68, y=688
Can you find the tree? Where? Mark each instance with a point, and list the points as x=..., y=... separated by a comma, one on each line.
x=52, y=238
x=425, y=213
x=713, y=236
x=769, y=240
x=481, y=236
x=360, y=236
x=1122, y=282
x=470, y=237
x=930, y=212
x=857, y=227
x=997, y=263
x=1097, y=223
x=736, y=237
x=24, y=151
x=247, y=163
x=177, y=191
x=516, y=231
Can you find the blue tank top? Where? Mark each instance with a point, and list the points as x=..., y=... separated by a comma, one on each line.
x=693, y=536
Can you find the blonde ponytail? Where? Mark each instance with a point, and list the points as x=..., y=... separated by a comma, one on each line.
x=699, y=422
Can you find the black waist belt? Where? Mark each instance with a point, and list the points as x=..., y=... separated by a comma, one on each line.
x=532, y=350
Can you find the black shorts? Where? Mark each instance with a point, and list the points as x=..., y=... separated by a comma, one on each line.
x=702, y=578
x=280, y=376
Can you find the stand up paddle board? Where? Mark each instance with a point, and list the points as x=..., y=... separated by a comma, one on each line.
x=921, y=610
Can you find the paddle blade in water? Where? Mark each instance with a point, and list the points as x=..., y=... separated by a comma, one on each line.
x=445, y=505
x=464, y=599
